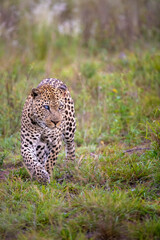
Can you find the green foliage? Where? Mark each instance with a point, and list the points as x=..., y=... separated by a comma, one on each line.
x=153, y=133
x=88, y=69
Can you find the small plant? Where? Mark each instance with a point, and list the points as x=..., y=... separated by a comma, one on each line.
x=153, y=134
x=2, y=157
x=88, y=69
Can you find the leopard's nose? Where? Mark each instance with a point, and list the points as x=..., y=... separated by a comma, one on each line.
x=55, y=122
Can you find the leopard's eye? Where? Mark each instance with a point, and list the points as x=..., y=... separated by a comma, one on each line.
x=61, y=106
x=46, y=107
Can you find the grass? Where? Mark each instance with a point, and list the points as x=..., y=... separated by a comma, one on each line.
x=114, y=197
x=108, y=192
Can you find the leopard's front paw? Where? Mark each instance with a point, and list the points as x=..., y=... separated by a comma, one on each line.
x=41, y=175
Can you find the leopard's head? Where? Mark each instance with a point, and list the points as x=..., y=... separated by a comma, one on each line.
x=48, y=104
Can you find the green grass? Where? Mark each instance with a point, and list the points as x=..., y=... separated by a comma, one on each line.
x=107, y=193
x=113, y=197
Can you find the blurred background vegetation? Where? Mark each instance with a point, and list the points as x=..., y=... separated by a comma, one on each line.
x=37, y=25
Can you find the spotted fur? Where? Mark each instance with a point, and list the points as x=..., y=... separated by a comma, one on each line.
x=48, y=117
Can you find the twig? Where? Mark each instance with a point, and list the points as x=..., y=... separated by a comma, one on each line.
x=136, y=149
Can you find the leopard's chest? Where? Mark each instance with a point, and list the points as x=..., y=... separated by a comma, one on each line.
x=47, y=140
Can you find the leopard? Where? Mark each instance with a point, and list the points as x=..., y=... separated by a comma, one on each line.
x=48, y=120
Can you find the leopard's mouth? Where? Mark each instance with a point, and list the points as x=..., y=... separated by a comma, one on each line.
x=53, y=125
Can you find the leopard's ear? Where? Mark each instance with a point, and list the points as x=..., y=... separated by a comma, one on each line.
x=63, y=89
x=35, y=92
